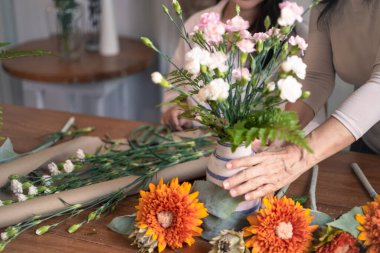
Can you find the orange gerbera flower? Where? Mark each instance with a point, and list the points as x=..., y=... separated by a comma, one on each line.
x=370, y=226
x=170, y=214
x=342, y=242
x=281, y=226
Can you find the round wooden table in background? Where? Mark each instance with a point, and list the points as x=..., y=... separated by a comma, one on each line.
x=85, y=83
x=90, y=67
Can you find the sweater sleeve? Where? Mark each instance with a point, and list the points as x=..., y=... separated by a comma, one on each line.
x=320, y=75
x=361, y=110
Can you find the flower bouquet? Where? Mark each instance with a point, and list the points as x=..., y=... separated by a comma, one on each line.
x=233, y=83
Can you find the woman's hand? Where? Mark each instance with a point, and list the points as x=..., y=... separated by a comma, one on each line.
x=265, y=172
x=171, y=118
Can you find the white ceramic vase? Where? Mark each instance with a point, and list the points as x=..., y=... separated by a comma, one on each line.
x=217, y=172
x=109, y=41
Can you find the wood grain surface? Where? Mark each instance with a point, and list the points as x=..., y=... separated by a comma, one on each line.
x=90, y=67
x=338, y=190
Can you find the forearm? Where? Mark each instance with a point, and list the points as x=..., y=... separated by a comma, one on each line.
x=305, y=113
x=328, y=139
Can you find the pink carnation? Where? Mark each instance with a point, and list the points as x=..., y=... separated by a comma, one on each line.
x=290, y=13
x=244, y=34
x=206, y=19
x=241, y=73
x=260, y=36
x=237, y=24
x=211, y=27
x=246, y=46
x=298, y=42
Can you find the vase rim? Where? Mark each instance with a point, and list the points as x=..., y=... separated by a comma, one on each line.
x=228, y=144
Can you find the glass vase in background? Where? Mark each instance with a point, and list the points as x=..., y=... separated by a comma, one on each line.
x=66, y=24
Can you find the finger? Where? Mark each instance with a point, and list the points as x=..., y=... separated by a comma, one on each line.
x=260, y=192
x=245, y=162
x=249, y=186
x=242, y=176
x=184, y=123
x=256, y=146
x=175, y=123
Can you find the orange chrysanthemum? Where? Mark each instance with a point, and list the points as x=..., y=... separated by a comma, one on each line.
x=281, y=226
x=342, y=242
x=370, y=226
x=170, y=213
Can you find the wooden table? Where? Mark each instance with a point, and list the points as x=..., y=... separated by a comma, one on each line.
x=92, y=75
x=338, y=189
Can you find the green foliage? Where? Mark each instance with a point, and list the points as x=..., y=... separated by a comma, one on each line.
x=8, y=54
x=267, y=125
x=65, y=14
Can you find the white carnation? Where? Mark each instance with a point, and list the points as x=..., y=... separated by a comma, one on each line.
x=32, y=190
x=53, y=169
x=16, y=186
x=68, y=166
x=218, y=61
x=299, y=42
x=296, y=65
x=290, y=88
x=195, y=58
x=80, y=154
x=290, y=13
x=21, y=197
x=217, y=89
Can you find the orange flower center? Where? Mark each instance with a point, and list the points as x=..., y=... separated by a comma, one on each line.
x=342, y=249
x=165, y=218
x=284, y=230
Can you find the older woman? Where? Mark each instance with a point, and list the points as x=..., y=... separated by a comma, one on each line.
x=344, y=38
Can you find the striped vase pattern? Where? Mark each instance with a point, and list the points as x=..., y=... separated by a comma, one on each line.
x=217, y=172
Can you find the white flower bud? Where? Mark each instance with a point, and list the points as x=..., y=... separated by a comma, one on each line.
x=68, y=166
x=157, y=77
x=16, y=186
x=80, y=154
x=32, y=190
x=53, y=169
x=21, y=197
x=4, y=236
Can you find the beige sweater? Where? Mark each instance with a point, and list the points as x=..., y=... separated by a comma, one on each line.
x=348, y=44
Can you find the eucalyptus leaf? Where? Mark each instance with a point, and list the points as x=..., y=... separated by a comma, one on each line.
x=217, y=200
x=347, y=221
x=320, y=218
x=6, y=151
x=123, y=224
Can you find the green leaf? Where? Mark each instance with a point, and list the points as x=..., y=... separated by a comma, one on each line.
x=14, y=53
x=347, y=221
x=124, y=225
x=301, y=199
x=6, y=151
x=320, y=218
x=217, y=200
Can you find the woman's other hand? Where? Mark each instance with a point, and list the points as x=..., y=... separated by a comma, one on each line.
x=265, y=172
x=171, y=118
